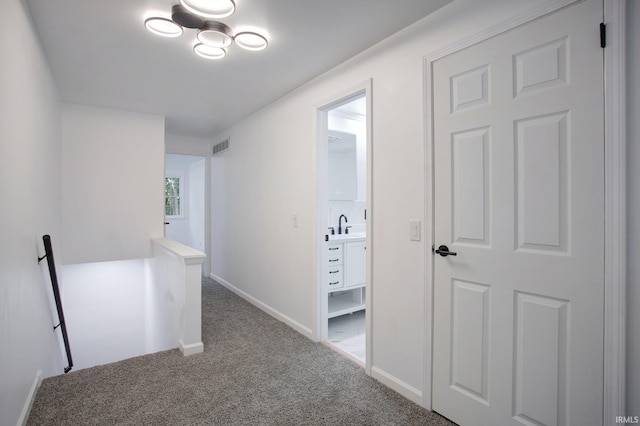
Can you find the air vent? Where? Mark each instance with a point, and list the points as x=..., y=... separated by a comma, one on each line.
x=221, y=146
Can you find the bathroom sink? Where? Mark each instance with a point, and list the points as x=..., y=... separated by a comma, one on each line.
x=350, y=236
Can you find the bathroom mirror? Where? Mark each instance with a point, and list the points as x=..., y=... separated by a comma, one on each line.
x=342, y=166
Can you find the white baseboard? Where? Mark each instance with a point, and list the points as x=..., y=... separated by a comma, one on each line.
x=31, y=397
x=191, y=349
x=404, y=389
x=305, y=331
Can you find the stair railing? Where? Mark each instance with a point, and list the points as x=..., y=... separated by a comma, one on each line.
x=56, y=294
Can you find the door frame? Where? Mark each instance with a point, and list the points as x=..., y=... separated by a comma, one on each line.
x=320, y=111
x=615, y=193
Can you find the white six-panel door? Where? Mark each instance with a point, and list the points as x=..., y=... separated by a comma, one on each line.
x=519, y=196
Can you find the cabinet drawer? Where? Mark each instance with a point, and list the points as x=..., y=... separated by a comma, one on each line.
x=334, y=249
x=334, y=254
x=335, y=277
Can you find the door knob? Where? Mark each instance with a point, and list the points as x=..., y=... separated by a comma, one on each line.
x=444, y=251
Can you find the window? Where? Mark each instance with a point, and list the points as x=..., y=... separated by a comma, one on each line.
x=172, y=196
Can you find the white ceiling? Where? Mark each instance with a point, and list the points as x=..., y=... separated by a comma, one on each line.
x=102, y=55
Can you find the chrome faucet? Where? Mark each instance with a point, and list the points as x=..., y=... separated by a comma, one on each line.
x=340, y=223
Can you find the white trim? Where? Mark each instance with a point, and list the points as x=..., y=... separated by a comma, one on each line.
x=615, y=211
x=191, y=349
x=187, y=255
x=369, y=228
x=320, y=303
x=487, y=33
x=427, y=349
x=306, y=331
x=615, y=193
x=31, y=397
x=412, y=394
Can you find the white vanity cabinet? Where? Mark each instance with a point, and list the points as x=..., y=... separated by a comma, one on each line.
x=346, y=277
x=355, y=267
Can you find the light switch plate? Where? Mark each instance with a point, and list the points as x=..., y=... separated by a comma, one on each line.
x=414, y=230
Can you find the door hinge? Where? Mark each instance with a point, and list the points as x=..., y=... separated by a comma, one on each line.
x=603, y=35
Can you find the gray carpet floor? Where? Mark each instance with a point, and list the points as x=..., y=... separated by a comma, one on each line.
x=255, y=370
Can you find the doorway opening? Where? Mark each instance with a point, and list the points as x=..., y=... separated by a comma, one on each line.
x=344, y=197
x=185, y=189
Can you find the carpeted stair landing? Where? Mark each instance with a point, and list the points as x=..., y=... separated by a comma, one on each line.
x=255, y=370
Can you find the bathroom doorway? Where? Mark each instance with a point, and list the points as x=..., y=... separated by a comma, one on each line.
x=344, y=224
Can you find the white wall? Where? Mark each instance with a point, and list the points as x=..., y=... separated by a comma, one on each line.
x=174, y=297
x=354, y=210
x=30, y=174
x=633, y=210
x=196, y=205
x=112, y=184
x=104, y=307
x=359, y=129
x=269, y=173
x=186, y=145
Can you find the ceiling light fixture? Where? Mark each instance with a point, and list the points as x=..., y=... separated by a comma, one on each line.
x=209, y=52
x=210, y=8
x=212, y=36
x=215, y=34
x=163, y=27
x=250, y=40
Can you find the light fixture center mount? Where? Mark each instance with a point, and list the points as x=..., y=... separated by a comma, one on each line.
x=184, y=18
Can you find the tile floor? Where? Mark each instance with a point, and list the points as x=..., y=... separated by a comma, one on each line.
x=347, y=333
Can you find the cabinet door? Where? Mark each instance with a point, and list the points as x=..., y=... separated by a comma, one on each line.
x=355, y=263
